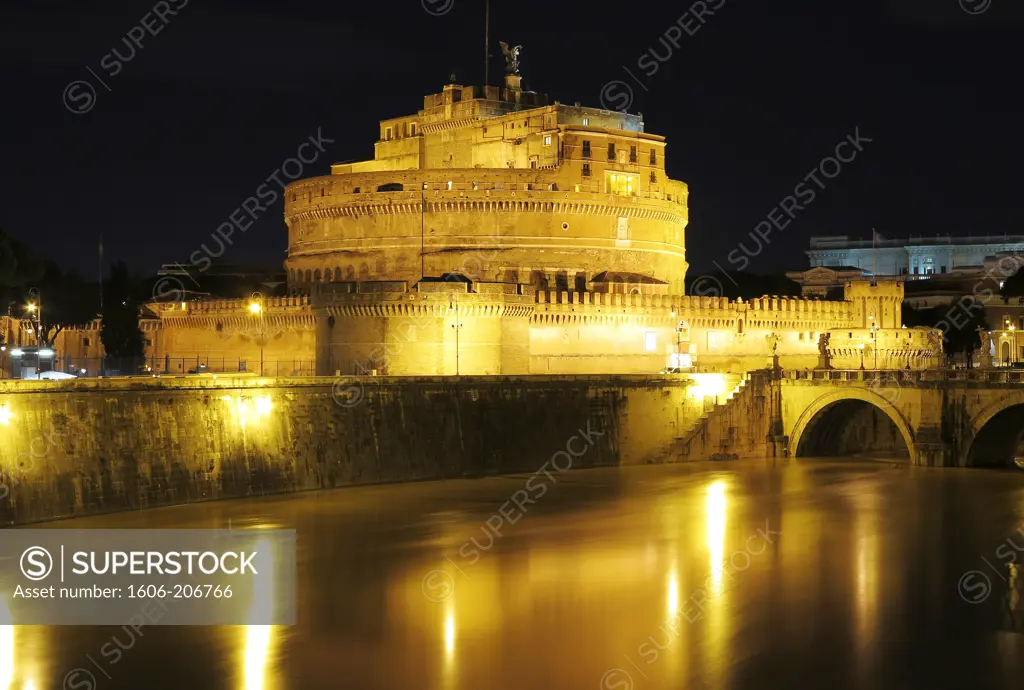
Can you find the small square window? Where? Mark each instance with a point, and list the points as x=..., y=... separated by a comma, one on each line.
x=85, y=342
x=586, y=122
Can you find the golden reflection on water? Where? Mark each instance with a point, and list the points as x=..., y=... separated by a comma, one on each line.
x=259, y=638
x=866, y=535
x=673, y=592
x=716, y=533
x=714, y=613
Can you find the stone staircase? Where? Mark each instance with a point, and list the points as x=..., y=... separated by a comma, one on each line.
x=735, y=425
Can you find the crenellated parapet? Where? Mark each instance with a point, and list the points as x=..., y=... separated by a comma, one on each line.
x=769, y=313
x=278, y=313
x=429, y=300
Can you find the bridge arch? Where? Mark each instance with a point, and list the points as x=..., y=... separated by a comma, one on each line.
x=996, y=432
x=804, y=426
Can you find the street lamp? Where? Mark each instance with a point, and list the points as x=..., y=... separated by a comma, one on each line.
x=862, y=356
x=256, y=307
x=452, y=306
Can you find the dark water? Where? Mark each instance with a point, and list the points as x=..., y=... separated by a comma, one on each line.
x=799, y=574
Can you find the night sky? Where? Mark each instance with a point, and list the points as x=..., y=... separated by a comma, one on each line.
x=212, y=105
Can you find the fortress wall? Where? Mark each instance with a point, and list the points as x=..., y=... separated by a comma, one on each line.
x=595, y=332
x=217, y=333
x=489, y=224
x=85, y=447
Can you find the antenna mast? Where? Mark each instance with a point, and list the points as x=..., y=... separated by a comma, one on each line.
x=487, y=40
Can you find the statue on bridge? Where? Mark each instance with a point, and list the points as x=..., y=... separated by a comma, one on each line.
x=773, y=345
x=985, y=361
x=824, y=361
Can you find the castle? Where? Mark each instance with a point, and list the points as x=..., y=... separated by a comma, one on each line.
x=496, y=232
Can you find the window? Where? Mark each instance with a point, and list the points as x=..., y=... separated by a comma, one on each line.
x=449, y=185
x=586, y=170
x=632, y=154
x=943, y=270
x=650, y=341
x=622, y=232
x=654, y=177
x=412, y=129
x=611, y=151
x=85, y=342
x=149, y=343
x=547, y=140
x=586, y=149
x=586, y=122
x=388, y=133
x=654, y=157
x=617, y=183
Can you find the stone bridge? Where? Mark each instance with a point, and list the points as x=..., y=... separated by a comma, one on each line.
x=941, y=418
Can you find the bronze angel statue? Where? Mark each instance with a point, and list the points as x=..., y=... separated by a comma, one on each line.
x=511, y=57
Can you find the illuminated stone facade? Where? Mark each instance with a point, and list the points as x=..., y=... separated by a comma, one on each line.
x=497, y=233
x=500, y=186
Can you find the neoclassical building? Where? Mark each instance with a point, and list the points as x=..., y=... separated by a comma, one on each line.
x=498, y=232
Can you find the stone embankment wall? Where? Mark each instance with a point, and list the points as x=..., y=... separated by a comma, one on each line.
x=93, y=446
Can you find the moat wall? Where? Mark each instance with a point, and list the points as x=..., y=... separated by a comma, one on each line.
x=94, y=446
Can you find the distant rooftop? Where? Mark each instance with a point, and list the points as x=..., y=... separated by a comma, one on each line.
x=845, y=242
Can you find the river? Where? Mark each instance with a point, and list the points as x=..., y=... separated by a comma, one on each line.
x=835, y=573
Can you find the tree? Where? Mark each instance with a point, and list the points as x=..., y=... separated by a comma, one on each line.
x=19, y=265
x=119, y=330
x=959, y=323
x=67, y=300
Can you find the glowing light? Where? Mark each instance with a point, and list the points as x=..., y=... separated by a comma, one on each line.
x=31, y=307
x=6, y=646
x=5, y=415
x=449, y=633
x=16, y=352
x=255, y=307
x=249, y=410
x=706, y=386
x=716, y=532
x=45, y=353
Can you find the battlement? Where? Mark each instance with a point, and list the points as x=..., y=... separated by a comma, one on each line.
x=701, y=310
x=231, y=306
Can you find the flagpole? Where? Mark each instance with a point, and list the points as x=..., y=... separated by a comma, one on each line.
x=101, y=274
x=874, y=256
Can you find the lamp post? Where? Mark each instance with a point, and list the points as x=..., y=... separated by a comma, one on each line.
x=35, y=310
x=454, y=307
x=874, y=342
x=256, y=307
x=862, y=356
